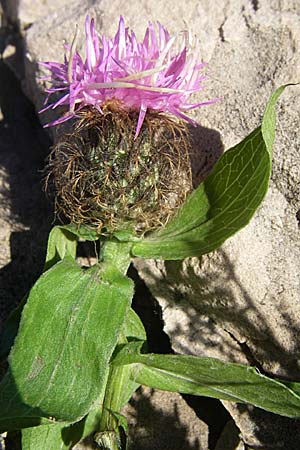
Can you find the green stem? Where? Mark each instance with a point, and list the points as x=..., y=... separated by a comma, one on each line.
x=113, y=396
x=118, y=253
x=108, y=437
x=113, y=402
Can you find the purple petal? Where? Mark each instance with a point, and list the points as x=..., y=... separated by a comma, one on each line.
x=141, y=118
x=150, y=74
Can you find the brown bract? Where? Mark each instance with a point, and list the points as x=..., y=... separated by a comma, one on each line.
x=104, y=178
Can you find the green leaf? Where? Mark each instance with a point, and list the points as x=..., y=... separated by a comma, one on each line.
x=133, y=330
x=60, y=360
x=209, y=377
x=224, y=203
x=268, y=122
x=126, y=234
x=133, y=327
x=46, y=437
x=61, y=243
x=82, y=231
x=118, y=253
x=120, y=386
x=59, y=436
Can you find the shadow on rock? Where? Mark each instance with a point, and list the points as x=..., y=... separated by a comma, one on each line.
x=154, y=425
x=207, y=147
x=214, y=303
x=210, y=294
x=25, y=210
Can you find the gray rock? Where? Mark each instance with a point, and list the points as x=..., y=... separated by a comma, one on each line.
x=240, y=303
x=26, y=12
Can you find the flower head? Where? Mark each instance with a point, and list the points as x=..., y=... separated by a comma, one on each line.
x=153, y=74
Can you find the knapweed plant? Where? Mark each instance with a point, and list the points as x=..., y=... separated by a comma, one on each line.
x=122, y=177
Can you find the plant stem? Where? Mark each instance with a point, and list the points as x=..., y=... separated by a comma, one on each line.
x=108, y=437
x=118, y=253
x=113, y=402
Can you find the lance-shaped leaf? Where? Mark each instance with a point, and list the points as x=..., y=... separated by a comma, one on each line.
x=209, y=377
x=69, y=328
x=224, y=203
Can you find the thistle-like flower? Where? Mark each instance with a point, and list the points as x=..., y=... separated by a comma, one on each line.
x=129, y=147
x=147, y=75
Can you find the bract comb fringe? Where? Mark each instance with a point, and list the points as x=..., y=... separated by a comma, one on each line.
x=105, y=178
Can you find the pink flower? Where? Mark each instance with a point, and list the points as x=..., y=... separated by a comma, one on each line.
x=147, y=75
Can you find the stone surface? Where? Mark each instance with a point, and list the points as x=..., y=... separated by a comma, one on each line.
x=230, y=439
x=163, y=421
x=240, y=303
x=261, y=430
x=26, y=12
x=25, y=215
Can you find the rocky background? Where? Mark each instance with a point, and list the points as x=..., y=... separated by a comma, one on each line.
x=240, y=303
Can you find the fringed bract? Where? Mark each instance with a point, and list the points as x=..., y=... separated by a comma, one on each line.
x=107, y=179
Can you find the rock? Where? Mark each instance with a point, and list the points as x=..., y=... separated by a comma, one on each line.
x=240, y=303
x=26, y=12
x=261, y=430
x=163, y=421
x=230, y=439
x=9, y=51
x=22, y=237
x=2, y=442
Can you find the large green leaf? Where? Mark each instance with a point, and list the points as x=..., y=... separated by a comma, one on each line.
x=61, y=436
x=133, y=329
x=209, y=377
x=224, y=202
x=70, y=326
